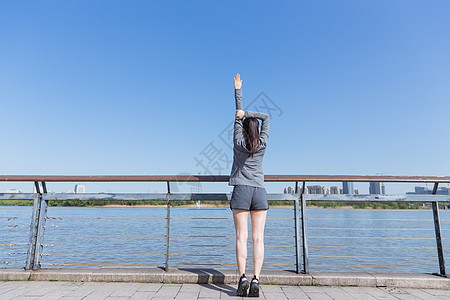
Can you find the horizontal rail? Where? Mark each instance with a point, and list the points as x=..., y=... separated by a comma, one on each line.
x=350, y=219
x=115, y=264
x=100, y=245
x=378, y=257
x=373, y=229
x=374, y=247
x=102, y=235
x=99, y=255
x=223, y=178
x=371, y=237
x=373, y=266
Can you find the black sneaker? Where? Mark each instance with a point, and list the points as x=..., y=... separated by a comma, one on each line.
x=242, y=286
x=254, y=288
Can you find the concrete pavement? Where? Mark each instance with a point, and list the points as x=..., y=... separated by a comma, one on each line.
x=50, y=290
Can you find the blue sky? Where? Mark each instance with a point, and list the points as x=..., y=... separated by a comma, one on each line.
x=140, y=87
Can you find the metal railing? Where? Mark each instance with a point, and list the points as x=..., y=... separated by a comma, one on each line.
x=174, y=235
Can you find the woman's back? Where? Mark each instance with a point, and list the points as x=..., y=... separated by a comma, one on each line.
x=247, y=169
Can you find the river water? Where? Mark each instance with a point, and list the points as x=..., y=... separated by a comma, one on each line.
x=338, y=239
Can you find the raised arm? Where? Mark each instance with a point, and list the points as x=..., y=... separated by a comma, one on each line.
x=238, y=98
x=238, y=91
x=238, y=136
x=264, y=135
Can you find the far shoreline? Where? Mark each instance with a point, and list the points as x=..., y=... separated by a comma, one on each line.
x=208, y=205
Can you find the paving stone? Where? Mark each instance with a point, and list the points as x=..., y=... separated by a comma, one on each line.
x=104, y=290
x=209, y=291
x=311, y=289
x=274, y=296
x=187, y=295
x=189, y=288
x=271, y=288
x=378, y=293
x=294, y=292
x=127, y=291
x=15, y=292
x=357, y=293
x=38, y=291
x=142, y=295
x=58, y=291
x=5, y=287
x=234, y=297
x=421, y=294
x=150, y=287
x=227, y=291
x=318, y=296
x=168, y=291
x=406, y=297
x=437, y=292
x=393, y=290
x=337, y=293
x=82, y=290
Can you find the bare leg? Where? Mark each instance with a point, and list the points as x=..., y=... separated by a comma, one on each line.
x=240, y=217
x=258, y=224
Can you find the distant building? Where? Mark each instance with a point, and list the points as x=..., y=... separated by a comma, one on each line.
x=421, y=190
x=318, y=189
x=315, y=189
x=347, y=187
x=289, y=190
x=383, y=189
x=424, y=190
x=374, y=188
x=335, y=190
x=300, y=189
x=80, y=188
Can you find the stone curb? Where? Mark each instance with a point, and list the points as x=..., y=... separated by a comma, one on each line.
x=229, y=276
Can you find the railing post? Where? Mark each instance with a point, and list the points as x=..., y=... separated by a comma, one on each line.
x=437, y=230
x=304, y=235
x=42, y=216
x=33, y=231
x=297, y=233
x=166, y=268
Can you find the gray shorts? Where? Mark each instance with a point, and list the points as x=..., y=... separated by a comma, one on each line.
x=249, y=198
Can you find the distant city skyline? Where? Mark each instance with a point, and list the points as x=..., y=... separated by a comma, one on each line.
x=310, y=189
x=320, y=189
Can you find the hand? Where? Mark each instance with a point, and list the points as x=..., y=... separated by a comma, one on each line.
x=237, y=82
x=240, y=114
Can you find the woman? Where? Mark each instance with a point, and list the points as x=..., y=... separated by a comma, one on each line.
x=249, y=193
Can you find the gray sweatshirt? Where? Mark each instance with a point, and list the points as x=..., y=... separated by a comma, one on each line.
x=248, y=170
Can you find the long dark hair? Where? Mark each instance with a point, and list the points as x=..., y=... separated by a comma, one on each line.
x=251, y=127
